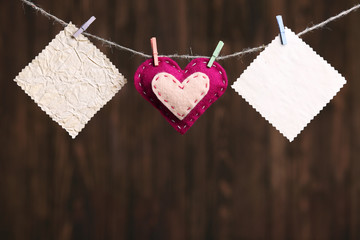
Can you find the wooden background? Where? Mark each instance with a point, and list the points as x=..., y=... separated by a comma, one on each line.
x=129, y=175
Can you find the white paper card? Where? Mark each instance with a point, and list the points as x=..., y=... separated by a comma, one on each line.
x=289, y=84
x=71, y=80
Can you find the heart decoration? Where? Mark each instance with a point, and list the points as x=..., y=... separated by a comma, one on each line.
x=181, y=96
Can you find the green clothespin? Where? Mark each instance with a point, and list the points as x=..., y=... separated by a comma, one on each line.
x=215, y=53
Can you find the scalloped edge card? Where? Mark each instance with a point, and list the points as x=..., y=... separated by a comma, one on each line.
x=289, y=84
x=71, y=80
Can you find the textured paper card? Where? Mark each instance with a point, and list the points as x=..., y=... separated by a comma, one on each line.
x=289, y=84
x=71, y=80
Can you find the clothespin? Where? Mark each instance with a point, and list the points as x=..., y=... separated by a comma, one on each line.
x=282, y=29
x=215, y=53
x=84, y=27
x=154, y=50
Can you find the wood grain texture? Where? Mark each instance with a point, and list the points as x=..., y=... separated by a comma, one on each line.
x=129, y=175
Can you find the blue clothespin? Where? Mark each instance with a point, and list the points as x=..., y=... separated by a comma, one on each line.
x=282, y=29
x=84, y=27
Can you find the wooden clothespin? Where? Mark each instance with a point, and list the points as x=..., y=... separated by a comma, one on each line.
x=282, y=29
x=154, y=50
x=215, y=53
x=84, y=27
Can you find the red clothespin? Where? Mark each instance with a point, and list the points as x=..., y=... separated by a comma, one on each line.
x=154, y=50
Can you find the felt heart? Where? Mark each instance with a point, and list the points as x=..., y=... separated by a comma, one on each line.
x=181, y=96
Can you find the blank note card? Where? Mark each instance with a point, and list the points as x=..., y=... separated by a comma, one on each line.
x=289, y=84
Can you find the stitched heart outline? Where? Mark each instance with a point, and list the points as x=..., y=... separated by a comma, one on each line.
x=180, y=97
x=217, y=85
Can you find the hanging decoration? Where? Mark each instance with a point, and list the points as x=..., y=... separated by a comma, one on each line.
x=286, y=95
x=288, y=83
x=181, y=96
x=71, y=80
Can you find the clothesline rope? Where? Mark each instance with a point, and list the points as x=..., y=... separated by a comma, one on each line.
x=236, y=54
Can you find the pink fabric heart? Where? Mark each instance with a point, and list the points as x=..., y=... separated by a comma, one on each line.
x=181, y=96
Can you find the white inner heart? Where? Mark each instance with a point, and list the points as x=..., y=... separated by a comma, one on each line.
x=180, y=98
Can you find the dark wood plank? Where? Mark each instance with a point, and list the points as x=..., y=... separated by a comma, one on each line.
x=129, y=175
